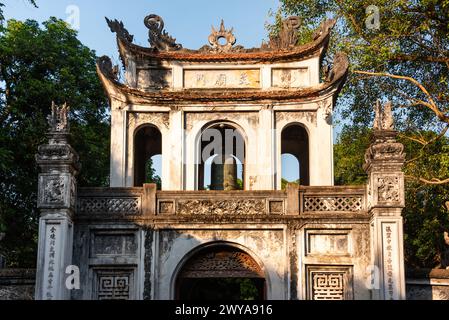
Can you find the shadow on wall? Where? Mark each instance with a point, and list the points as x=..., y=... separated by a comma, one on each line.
x=17, y=284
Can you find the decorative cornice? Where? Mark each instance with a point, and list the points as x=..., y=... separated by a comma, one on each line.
x=125, y=93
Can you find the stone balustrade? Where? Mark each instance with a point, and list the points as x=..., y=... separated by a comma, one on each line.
x=146, y=201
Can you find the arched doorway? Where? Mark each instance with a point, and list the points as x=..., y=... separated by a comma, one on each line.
x=220, y=272
x=221, y=158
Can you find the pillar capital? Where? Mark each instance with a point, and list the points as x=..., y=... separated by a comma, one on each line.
x=384, y=160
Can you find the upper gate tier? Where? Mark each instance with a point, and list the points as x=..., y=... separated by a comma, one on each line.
x=166, y=72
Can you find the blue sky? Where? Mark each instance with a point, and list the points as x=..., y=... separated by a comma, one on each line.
x=188, y=21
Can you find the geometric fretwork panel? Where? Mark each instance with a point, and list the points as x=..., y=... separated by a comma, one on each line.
x=103, y=205
x=328, y=286
x=114, y=284
x=337, y=203
x=329, y=283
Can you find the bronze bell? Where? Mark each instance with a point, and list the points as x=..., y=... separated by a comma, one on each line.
x=224, y=176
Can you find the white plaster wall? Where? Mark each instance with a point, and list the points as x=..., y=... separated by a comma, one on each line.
x=263, y=138
x=321, y=159
x=267, y=245
x=118, y=146
x=357, y=257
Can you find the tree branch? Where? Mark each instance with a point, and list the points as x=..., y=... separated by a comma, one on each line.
x=433, y=181
x=431, y=104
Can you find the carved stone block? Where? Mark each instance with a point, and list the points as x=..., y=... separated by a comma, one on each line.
x=276, y=207
x=56, y=191
x=221, y=207
x=387, y=190
x=166, y=207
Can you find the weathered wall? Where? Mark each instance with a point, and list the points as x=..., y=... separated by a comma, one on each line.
x=266, y=244
x=17, y=284
x=428, y=285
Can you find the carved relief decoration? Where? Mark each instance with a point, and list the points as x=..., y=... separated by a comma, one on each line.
x=388, y=189
x=107, y=68
x=119, y=28
x=296, y=116
x=72, y=193
x=54, y=188
x=383, y=116
x=222, y=33
x=56, y=152
x=222, y=264
x=193, y=118
x=221, y=207
x=58, y=119
x=166, y=207
x=288, y=35
x=327, y=107
x=135, y=119
x=384, y=146
x=157, y=37
x=385, y=150
x=276, y=207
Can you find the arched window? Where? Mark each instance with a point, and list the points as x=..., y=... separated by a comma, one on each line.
x=295, y=155
x=147, y=156
x=221, y=158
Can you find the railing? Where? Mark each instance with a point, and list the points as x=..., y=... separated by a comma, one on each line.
x=332, y=199
x=147, y=201
x=110, y=201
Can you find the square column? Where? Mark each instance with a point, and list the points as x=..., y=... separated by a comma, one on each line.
x=56, y=200
x=386, y=199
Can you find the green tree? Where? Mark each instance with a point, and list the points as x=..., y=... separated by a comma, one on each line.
x=150, y=175
x=405, y=59
x=425, y=215
x=38, y=65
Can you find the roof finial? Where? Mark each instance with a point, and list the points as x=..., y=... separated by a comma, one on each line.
x=228, y=35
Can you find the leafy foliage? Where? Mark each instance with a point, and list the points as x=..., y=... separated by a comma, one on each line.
x=151, y=176
x=39, y=65
x=412, y=41
x=425, y=215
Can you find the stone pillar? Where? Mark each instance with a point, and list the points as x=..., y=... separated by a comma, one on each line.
x=383, y=163
x=59, y=166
